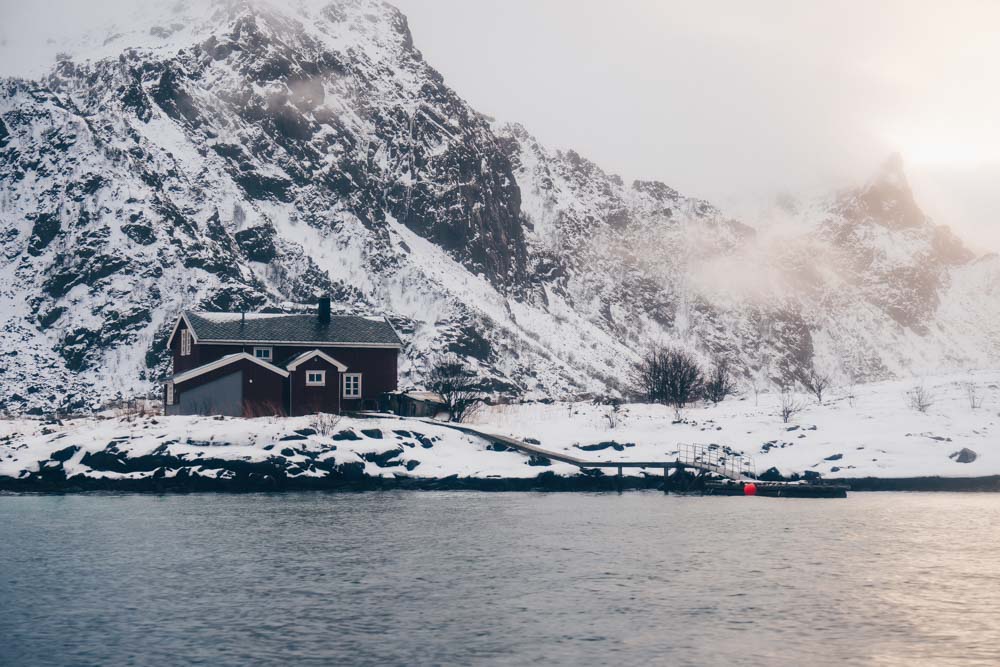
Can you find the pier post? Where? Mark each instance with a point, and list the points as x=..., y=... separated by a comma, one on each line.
x=666, y=480
x=620, y=480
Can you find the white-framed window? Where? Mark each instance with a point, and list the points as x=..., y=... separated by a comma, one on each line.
x=263, y=353
x=170, y=393
x=352, y=385
x=185, y=343
x=315, y=378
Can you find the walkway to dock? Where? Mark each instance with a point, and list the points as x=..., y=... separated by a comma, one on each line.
x=701, y=458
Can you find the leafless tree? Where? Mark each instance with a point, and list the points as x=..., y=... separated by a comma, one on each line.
x=790, y=405
x=920, y=398
x=670, y=376
x=720, y=382
x=817, y=382
x=457, y=385
x=972, y=393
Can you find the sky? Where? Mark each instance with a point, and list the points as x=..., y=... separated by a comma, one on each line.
x=731, y=101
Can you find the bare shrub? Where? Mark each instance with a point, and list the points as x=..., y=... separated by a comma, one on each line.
x=670, y=376
x=720, y=383
x=457, y=385
x=325, y=423
x=972, y=393
x=253, y=409
x=817, y=382
x=134, y=408
x=851, y=390
x=790, y=405
x=920, y=398
x=613, y=413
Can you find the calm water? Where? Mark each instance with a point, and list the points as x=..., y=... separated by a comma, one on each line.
x=476, y=578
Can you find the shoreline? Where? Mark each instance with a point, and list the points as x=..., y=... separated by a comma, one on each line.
x=346, y=483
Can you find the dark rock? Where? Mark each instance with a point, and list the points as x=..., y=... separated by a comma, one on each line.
x=372, y=433
x=257, y=243
x=45, y=228
x=286, y=438
x=64, y=455
x=383, y=459
x=772, y=474
x=964, y=455
x=834, y=457
x=611, y=444
x=345, y=435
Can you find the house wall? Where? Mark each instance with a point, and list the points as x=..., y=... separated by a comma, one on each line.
x=264, y=392
x=308, y=400
x=200, y=354
x=378, y=366
x=219, y=396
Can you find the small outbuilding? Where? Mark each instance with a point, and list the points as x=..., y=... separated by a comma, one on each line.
x=413, y=403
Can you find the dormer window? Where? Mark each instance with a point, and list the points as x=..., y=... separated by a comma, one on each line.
x=263, y=353
x=185, y=343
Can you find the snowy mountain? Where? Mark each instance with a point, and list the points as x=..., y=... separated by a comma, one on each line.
x=233, y=154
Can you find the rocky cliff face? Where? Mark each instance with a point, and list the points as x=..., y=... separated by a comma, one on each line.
x=233, y=155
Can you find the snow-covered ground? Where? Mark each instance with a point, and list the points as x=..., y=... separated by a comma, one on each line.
x=115, y=448
x=877, y=433
x=871, y=431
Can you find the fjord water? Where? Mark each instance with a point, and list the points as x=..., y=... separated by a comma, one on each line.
x=491, y=578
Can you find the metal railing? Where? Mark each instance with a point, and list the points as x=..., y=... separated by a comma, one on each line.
x=718, y=459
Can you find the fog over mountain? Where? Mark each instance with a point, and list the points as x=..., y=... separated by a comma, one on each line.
x=238, y=154
x=731, y=102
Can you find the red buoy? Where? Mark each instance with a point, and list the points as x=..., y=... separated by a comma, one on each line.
x=750, y=489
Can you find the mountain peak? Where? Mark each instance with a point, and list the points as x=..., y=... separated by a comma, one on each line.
x=887, y=198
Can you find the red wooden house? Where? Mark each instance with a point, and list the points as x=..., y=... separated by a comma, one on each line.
x=257, y=364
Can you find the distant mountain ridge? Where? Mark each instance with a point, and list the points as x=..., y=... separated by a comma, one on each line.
x=251, y=157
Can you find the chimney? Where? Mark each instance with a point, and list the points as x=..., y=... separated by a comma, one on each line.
x=324, y=310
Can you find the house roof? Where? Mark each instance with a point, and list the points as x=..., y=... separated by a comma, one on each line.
x=225, y=361
x=267, y=328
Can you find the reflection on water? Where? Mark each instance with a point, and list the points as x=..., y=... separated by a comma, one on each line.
x=460, y=578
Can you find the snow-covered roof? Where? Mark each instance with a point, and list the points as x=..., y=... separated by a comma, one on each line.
x=427, y=396
x=269, y=328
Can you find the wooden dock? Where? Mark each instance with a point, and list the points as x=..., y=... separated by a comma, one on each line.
x=701, y=460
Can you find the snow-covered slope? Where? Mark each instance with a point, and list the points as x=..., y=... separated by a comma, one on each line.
x=243, y=154
x=869, y=430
